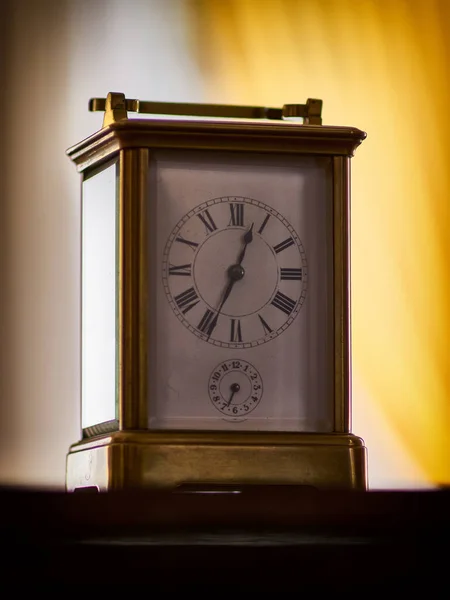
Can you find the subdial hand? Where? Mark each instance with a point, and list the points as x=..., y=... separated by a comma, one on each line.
x=234, y=387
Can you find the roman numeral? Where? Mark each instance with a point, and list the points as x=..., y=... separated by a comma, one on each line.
x=207, y=221
x=187, y=300
x=192, y=245
x=291, y=274
x=237, y=214
x=283, y=245
x=266, y=327
x=180, y=269
x=236, y=332
x=284, y=303
x=207, y=322
x=264, y=223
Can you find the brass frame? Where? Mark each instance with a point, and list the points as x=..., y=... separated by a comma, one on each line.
x=341, y=286
x=132, y=292
x=135, y=456
x=116, y=106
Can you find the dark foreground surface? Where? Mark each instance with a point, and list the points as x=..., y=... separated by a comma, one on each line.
x=245, y=540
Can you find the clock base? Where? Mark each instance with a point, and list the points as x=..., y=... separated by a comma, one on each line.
x=143, y=459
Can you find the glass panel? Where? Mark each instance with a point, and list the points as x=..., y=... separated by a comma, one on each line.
x=98, y=347
x=243, y=283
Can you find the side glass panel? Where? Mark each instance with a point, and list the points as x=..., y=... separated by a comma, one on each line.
x=99, y=293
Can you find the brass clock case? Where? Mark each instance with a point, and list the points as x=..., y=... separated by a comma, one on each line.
x=125, y=452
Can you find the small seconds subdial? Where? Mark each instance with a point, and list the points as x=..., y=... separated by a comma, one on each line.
x=235, y=388
x=235, y=272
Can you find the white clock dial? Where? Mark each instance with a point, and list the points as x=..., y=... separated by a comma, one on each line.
x=235, y=272
x=235, y=388
x=241, y=266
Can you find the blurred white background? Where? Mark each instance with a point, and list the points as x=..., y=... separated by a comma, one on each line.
x=56, y=54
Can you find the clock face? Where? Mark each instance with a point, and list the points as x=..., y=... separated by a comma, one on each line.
x=241, y=267
x=235, y=388
x=221, y=259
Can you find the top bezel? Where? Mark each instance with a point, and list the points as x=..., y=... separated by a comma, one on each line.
x=282, y=137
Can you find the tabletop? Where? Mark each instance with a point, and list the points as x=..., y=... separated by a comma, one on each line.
x=254, y=537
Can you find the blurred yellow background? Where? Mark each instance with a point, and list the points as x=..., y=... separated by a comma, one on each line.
x=379, y=65
x=382, y=66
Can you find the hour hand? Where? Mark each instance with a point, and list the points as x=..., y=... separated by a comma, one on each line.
x=248, y=238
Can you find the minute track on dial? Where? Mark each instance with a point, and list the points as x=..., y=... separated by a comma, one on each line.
x=246, y=269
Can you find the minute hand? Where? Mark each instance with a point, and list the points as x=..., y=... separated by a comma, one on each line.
x=225, y=296
x=248, y=237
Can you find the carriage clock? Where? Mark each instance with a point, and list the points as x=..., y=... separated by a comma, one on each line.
x=215, y=304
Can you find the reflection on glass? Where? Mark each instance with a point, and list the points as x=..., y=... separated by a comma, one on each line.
x=98, y=344
x=244, y=332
